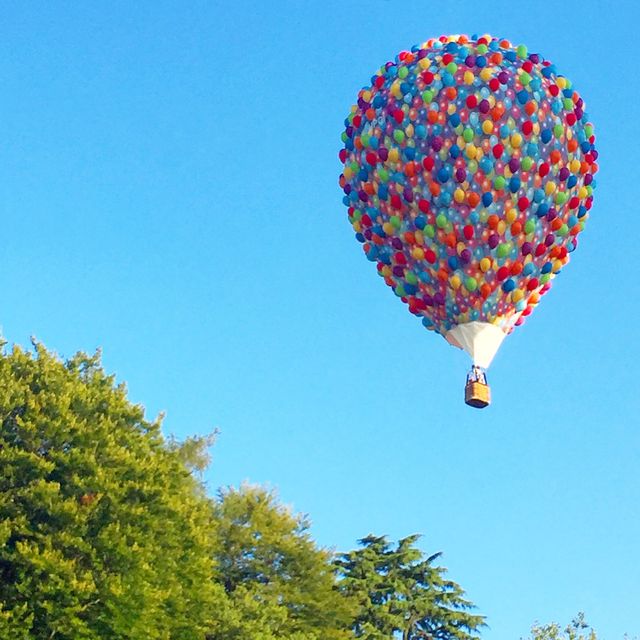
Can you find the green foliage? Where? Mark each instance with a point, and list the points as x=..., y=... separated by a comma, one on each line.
x=104, y=533
x=280, y=584
x=399, y=591
x=577, y=629
x=107, y=533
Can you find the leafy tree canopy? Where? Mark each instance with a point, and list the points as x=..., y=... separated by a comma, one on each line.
x=104, y=532
x=276, y=578
x=577, y=629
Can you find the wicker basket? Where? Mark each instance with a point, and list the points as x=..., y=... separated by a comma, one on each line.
x=477, y=394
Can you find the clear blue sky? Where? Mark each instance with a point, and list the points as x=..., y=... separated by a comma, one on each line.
x=168, y=192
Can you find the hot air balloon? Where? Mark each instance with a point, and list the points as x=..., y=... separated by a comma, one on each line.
x=468, y=174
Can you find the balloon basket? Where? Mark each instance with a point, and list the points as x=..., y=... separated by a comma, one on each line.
x=477, y=393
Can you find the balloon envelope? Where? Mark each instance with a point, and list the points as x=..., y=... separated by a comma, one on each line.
x=468, y=174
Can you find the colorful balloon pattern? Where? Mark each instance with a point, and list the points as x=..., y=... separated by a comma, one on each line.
x=468, y=174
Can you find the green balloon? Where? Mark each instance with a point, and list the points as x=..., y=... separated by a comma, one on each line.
x=441, y=220
x=471, y=284
x=503, y=250
x=427, y=96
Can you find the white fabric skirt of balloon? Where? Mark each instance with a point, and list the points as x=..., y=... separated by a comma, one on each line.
x=481, y=340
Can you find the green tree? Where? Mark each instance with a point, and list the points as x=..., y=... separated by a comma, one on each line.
x=104, y=532
x=400, y=593
x=279, y=583
x=577, y=629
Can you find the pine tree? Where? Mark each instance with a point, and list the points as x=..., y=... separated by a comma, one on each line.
x=399, y=591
